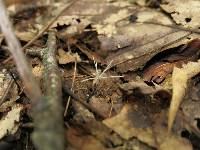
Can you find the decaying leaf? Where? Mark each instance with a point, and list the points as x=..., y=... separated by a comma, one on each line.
x=92, y=134
x=146, y=42
x=106, y=109
x=67, y=57
x=128, y=124
x=73, y=24
x=180, y=78
x=184, y=12
x=9, y=124
x=83, y=141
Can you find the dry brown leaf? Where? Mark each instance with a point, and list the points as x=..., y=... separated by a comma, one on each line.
x=128, y=125
x=157, y=72
x=67, y=57
x=92, y=135
x=180, y=78
x=147, y=40
x=104, y=108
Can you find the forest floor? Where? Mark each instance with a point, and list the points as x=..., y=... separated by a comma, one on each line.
x=100, y=75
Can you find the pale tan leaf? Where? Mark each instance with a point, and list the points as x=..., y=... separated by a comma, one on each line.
x=10, y=123
x=67, y=57
x=179, y=84
x=128, y=124
x=184, y=12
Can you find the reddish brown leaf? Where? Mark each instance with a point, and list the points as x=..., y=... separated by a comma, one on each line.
x=157, y=72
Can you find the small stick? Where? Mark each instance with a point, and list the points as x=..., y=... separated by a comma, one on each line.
x=73, y=79
x=5, y=94
x=44, y=29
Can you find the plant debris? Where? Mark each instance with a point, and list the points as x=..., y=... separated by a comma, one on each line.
x=100, y=75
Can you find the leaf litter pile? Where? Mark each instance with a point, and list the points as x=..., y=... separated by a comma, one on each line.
x=98, y=75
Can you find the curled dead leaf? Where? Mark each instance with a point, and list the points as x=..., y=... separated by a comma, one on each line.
x=179, y=83
x=157, y=72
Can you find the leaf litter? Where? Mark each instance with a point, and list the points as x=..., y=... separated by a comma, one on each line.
x=131, y=69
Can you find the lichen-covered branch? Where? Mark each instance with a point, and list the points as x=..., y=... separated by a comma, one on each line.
x=49, y=134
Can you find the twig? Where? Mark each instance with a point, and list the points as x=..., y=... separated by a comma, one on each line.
x=73, y=79
x=49, y=132
x=5, y=94
x=31, y=86
x=44, y=29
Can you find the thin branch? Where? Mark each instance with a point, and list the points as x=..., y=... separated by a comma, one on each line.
x=73, y=79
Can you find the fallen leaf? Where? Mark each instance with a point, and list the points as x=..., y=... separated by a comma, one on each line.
x=157, y=72
x=83, y=141
x=9, y=124
x=179, y=10
x=67, y=57
x=106, y=109
x=92, y=134
x=38, y=70
x=180, y=78
x=128, y=124
x=25, y=36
